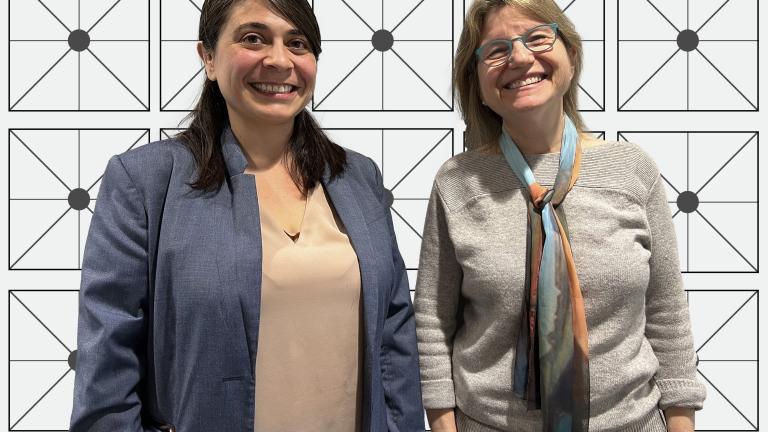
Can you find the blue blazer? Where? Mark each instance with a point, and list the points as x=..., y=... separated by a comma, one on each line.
x=168, y=325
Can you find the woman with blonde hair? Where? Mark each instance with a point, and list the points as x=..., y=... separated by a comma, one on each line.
x=549, y=295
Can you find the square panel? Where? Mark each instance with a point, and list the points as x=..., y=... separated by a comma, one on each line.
x=68, y=56
x=42, y=358
x=725, y=334
x=385, y=56
x=680, y=55
x=181, y=71
x=54, y=177
x=699, y=170
x=409, y=160
x=588, y=16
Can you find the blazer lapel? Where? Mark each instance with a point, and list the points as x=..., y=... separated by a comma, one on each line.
x=343, y=197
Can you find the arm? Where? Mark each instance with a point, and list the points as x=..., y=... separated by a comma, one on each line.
x=399, y=356
x=112, y=329
x=438, y=290
x=668, y=327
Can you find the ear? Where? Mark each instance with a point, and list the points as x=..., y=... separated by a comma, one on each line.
x=572, y=58
x=207, y=59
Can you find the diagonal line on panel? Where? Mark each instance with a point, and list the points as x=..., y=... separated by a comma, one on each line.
x=41, y=322
x=726, y=240
x=591, y=97
x=40, y=79
x=420, y=78
x=358, y=15
x=676, y=213
x=650, y=78
x=726, y=399
x=41, y=237
x=406, y=16
x=726, y=321
x=54, y=15
x=726, y=78
x=41, y=161
x=712, y=16
x=345, y=77
x=569, y=5
x=727, y=162
x=669, y=183
x=196, y=6
x=41, y=398
x=663, y=16
x=183, y=87
x=103, y=16
x=89, y=209
x=416, y=165
x=406, y=222
x=118, y=79
x=102, y=176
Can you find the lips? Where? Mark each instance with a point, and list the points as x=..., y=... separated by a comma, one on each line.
x=524, y=81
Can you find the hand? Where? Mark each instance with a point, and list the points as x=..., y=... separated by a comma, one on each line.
x=679, y=419
x=441, y=420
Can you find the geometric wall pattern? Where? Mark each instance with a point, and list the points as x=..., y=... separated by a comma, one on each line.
x=54, y=178
x=696, y=56
x=68, y=56
x=711, y=181
x=87, y=80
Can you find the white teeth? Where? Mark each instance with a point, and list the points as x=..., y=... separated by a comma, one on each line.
x=525, y=82
x=273, y=88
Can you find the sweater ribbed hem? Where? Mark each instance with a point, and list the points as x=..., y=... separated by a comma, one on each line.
x=651, y=422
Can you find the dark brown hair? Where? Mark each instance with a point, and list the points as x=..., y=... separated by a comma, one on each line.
x=311, y=150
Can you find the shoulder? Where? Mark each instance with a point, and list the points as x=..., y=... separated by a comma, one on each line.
x=472, y=174
x=618, y=164
x=152, y=166
x=362, y=169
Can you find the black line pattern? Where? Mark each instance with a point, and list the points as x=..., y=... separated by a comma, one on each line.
x=108, y=87
x=701, y=69
x=70, y=199
x=694, y=203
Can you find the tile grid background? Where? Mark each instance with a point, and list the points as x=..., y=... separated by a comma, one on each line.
x=706, y=287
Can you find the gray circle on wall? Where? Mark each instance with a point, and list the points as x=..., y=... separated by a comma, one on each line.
x=72, y=360
x=687, y=202
x=79, y=40
x=383, y=40
x=687, y=40
x=388, y=198
x=79, y=199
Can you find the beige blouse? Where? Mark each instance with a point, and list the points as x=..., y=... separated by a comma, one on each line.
x=308, y=366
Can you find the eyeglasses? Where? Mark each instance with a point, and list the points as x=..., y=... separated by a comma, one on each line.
x=499, y=51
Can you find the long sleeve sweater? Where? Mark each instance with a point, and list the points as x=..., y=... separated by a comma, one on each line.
x=471, y=285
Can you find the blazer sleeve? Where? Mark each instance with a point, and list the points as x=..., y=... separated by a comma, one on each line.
x=399, y=355
x=111, y=335
x=668, y=326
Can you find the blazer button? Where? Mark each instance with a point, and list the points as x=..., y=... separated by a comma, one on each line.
x=168, y=428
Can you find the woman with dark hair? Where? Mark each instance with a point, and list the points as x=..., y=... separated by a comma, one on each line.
x=549, y=295
x=245, y=275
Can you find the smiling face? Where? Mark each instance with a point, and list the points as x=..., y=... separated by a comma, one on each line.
x=529, y=82
x=263, y=64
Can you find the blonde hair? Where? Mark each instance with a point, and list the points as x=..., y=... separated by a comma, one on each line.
x=483, y=124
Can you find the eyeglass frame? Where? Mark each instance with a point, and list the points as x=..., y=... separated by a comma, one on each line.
x=523, y=38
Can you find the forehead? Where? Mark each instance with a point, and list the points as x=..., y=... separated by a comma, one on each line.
x=508, y=21
x=256, y=11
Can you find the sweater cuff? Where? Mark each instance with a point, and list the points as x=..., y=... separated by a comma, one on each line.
x=438, y=394
x=683, y=393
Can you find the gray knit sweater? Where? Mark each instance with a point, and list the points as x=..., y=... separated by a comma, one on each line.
x=470, y=289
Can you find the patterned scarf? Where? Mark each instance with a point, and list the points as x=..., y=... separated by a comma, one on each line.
x=551, y=366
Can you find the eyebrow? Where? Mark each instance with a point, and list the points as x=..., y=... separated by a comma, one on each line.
x=262, y=26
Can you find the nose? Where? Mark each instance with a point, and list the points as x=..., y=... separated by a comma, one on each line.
x=277, y=57
x=520, y=55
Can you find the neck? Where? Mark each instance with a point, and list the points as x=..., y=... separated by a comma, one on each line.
x=264, y=145
x=537, y=133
